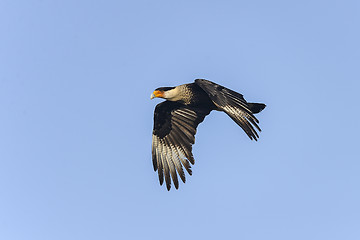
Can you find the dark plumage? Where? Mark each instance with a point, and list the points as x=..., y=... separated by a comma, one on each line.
x=176, y=120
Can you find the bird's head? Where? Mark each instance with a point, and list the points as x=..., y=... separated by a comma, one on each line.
x=162, y=92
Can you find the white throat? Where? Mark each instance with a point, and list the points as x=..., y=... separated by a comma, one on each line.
x=172, y=95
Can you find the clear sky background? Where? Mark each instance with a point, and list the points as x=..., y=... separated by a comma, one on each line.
x=76, y=119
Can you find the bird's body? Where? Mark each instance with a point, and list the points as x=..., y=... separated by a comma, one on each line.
x=176, y=120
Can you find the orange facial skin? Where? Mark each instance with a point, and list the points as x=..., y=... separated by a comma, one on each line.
x=157, y=94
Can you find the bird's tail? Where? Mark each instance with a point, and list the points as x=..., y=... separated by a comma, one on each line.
x=256, y=107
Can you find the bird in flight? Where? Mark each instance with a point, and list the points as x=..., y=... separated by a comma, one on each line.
x=176, y=120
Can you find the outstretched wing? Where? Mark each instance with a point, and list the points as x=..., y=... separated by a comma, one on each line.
x=173, y=135
x=233, y=104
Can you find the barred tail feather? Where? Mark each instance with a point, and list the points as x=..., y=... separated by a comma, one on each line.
x=256, y=107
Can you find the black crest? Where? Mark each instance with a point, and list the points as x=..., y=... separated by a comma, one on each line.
x=164, y=89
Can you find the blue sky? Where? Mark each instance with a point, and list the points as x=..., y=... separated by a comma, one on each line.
x=76, y=119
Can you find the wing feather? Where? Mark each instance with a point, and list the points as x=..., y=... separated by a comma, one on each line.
x=173, y=135
x=233, y=104
x=171, y=162
x=181, y=154
x=165, y=164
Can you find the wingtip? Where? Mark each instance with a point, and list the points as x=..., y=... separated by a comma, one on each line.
x=161, y=179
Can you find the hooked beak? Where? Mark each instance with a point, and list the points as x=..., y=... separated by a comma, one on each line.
x=157, y=94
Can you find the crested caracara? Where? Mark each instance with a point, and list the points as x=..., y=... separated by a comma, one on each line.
x=176, y=120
